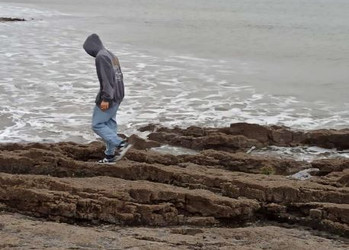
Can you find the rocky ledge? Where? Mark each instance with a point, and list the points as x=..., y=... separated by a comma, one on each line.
x=11, y=19
x=221, y=185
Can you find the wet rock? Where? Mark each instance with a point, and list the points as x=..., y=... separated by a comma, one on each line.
x=254, y=131
x=218, y=141
x=328, y=138
x=140, y=143
x=260, y=135
x=284, y=136
x=149, y=127
x=11, y=19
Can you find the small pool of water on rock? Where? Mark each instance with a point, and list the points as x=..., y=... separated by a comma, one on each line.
x=167, y=149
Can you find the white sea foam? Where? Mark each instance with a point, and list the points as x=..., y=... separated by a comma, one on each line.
x=301, y=153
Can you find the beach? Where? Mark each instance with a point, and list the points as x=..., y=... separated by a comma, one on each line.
x=237, y=112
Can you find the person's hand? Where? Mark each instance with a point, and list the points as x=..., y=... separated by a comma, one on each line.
x=104, y=105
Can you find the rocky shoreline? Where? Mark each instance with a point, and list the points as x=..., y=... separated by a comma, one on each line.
x=220, y=191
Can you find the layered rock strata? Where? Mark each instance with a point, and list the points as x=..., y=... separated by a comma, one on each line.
x=219, y=186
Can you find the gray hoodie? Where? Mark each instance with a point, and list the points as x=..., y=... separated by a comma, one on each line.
x=108, y=71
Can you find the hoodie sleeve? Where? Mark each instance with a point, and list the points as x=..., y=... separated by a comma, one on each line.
x=105, y=74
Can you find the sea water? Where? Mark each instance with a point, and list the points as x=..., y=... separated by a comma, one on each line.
x=185, y=62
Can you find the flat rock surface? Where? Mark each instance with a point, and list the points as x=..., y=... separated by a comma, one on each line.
x=22, y=232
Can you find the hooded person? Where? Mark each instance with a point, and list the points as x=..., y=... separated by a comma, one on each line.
x=110, y=95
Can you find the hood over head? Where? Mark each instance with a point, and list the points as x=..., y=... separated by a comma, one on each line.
x=93, y=45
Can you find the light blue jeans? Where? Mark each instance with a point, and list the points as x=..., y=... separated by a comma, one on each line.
x=104, y=124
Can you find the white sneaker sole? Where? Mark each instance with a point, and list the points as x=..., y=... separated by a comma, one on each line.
x=123, y=152
x=105, y=162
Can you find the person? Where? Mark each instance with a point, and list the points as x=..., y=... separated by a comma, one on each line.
x=110, y=95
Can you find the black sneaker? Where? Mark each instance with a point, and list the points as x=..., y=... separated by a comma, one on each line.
x=108, y=159
x=122, y=150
